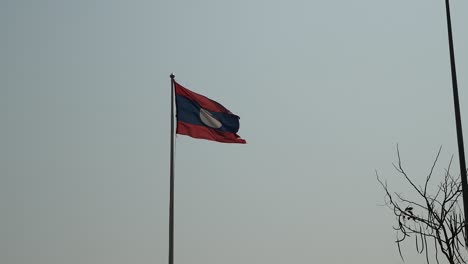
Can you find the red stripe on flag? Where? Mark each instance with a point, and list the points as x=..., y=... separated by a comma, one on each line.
x=203, y=101
x=207, y=133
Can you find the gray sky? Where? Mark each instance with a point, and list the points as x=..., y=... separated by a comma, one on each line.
x=324, y=89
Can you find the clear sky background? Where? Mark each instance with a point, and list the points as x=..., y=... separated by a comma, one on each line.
x=325, y=90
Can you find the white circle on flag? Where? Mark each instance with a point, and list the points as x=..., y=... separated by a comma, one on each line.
x=208, y=119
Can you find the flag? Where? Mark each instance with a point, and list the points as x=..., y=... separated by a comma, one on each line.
x=201, y=117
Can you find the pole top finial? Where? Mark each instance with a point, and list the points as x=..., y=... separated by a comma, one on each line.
x=172, y=76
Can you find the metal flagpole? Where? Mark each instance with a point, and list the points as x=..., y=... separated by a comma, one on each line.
x=461, y=151
x=171, y=191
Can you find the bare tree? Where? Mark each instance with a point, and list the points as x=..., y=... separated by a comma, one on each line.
x=434, y=218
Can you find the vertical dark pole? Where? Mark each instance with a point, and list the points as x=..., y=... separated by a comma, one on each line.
x=461, y=151
x=171, y=192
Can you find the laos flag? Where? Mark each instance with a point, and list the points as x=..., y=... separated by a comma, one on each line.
x=201, y=117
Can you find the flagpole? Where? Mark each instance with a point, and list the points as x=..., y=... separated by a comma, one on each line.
x=171, y=191
x=456, y=102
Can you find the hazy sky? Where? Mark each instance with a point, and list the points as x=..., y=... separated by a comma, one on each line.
x=324, y=89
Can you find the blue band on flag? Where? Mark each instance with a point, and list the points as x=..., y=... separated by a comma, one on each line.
x=189, y=111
